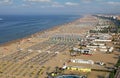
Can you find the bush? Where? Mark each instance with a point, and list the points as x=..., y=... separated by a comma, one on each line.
x=111, y=75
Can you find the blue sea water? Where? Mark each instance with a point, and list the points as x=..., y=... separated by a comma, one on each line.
x=18, y=26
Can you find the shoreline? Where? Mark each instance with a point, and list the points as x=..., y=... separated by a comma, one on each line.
x=44, y=51
x=25, y=43
x=38, y=33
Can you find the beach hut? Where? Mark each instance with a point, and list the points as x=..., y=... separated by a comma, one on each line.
x=102, y=40
x=77, y=51
x=78, y=68
x=102, y=47
x=82, y=61
x=103, y=50
x=91, y=46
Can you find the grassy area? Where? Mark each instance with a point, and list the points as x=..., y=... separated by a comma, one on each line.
x=112, y=74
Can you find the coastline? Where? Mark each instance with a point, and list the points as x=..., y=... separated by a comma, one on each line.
x=42, y=52
x=24, y=43
x=38, y=33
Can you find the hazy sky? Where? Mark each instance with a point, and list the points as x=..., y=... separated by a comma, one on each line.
x=59, y=6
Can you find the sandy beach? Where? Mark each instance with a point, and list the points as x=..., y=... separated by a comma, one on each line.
x=26, y=42
x=33, y=56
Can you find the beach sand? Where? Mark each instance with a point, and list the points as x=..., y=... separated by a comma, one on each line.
x=11, y=46
x=34, y=63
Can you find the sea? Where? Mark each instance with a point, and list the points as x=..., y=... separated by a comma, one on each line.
x=14, y=27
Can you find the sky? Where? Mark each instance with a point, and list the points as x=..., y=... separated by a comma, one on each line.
x=74, y=7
